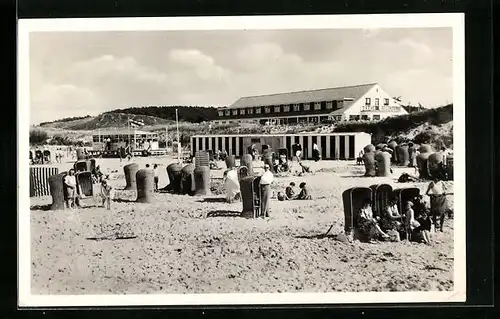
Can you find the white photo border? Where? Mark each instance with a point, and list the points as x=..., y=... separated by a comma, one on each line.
x=452, y=20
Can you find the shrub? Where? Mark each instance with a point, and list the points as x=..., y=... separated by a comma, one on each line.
x=38, y=136
x=423, y=138
x=59, y=139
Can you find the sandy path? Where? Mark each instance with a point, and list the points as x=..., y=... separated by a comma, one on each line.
x=181, y=249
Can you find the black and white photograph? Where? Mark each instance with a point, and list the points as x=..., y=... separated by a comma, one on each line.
x=241, y=160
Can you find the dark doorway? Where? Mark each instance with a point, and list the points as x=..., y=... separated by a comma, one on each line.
x=323, y=147
x=352, y=151
x=342, y=147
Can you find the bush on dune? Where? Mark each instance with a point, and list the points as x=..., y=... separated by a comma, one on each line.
x=38, y=137
x=60, y=139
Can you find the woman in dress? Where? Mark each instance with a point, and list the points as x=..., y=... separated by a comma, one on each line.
x=391, y=219
x=368, y=224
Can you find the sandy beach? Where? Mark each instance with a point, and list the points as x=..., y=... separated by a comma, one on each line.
x=185, y=244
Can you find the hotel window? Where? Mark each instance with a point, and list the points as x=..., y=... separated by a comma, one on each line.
x=221, y=113
x=250, y=111
x=368, y=101
x=228, y=112
x=307, y=106
x=376, y=103
x=242, y=112
x=376, y=117
x=296, y=107
x=235, y=112
x=286, y=108
x=267, y=109
x=317, y=106
x=353, y=117
x=329, y=105
x=386, y=101
x=364, y=117
x=277, y=109
x=257, y=110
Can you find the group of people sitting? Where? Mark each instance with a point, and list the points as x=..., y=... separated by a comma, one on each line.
x=295, y=166
x=390, y=224
x=220, y=155
x=281, y=164
x=290, y=194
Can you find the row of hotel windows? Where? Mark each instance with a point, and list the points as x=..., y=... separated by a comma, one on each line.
x=375, y=117
x=311, y=119
x=283, y=108
x=286, y=120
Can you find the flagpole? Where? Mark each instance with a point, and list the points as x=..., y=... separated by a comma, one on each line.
x=178, y=140
x=128, y=125
x=166, y=138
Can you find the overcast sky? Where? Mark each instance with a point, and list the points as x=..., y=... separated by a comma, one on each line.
x=79, y=73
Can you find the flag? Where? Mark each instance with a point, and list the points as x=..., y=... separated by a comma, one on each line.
x=134, y=123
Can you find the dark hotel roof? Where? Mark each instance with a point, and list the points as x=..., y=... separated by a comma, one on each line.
x=330, y=94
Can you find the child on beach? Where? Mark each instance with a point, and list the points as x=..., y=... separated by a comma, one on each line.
x=106, y=194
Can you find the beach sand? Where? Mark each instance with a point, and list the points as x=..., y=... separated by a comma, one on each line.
x=187, y=244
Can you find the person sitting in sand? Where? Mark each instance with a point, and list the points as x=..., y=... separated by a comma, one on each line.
x=106, y=194
x=304, y=192
x=282, y=197
x=213, y=165
x=422, y=232
x=305, y=169
x=368, y=224
x=407, y=178
x=289, y=191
